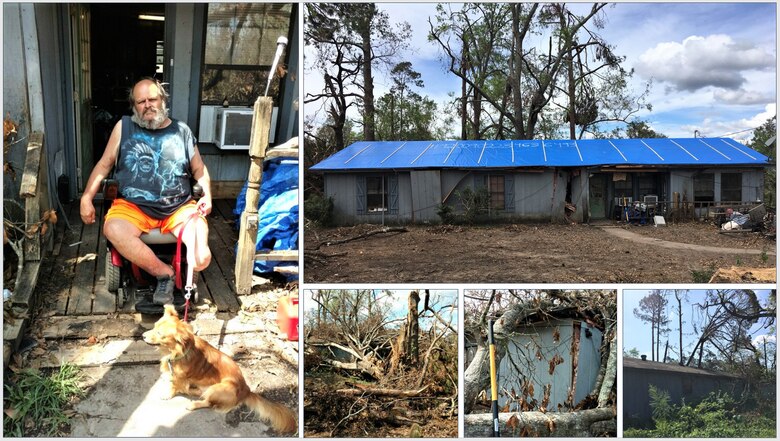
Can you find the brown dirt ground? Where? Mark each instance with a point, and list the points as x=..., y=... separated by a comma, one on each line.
x=523, y=253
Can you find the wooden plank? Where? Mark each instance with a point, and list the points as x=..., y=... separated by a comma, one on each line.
x=66, y=261
x=248, y=233
x=32, y=166
x=83, y=283
x=23, y=293
x=127, y=326
x=221, y=292
x=105, y=301
x=281, y=255
x=282, y=153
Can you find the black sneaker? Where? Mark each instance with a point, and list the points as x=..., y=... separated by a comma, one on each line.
x=163, y=294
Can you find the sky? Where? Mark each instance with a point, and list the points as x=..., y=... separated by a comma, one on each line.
x=636, y=333
x=713, y=65
x=397, y=300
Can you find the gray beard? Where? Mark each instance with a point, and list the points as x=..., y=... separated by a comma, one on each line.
x=154, y=124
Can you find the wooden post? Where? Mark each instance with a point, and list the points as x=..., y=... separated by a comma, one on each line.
x=247, y=236
x=34, y=191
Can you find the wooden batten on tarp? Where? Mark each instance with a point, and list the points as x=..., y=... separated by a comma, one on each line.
x=247, y=237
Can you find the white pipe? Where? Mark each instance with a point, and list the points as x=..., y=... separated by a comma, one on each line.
x=281, y=43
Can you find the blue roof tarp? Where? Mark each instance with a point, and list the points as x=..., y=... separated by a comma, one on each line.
x=278, y=212
x=373, y=155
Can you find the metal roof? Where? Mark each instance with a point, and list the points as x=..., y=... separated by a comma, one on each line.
x=373, y=155
x=636, y=363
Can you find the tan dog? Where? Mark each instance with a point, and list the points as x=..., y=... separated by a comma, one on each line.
x=197, y=368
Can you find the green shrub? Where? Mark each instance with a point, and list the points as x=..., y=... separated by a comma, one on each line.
x=475, y=203
x=444, y=212
x=703, y=276
x=319, y=209
x=714, y=417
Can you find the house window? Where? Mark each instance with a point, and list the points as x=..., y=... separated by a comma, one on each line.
x=240, y=47
x=376, y=194
x=731, y=187
x=704, y=187
x=496, y=186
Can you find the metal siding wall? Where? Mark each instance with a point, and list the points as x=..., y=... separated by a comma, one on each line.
x=523, y=349
x=589, y=362
x=579, y=194
x=753, y=185
x=426, y=194
x=534, y=195
x=341, y=187
x=404, y=197
x=14, y=90
x=681, y=182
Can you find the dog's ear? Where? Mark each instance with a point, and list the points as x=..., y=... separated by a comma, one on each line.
x=171, y=311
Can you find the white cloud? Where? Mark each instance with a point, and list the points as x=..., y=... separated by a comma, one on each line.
x=759, y=340
x=741, y=96
x=697, y=62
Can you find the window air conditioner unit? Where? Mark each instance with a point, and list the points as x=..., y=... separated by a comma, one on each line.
x=234, y=128
x=651, y=199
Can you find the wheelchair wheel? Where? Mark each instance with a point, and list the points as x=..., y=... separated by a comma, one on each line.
x=113, y=275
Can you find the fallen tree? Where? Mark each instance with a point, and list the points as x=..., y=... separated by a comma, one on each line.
x=590, y=422
x=593, y=309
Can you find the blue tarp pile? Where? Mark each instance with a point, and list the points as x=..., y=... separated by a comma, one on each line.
x=278, y=213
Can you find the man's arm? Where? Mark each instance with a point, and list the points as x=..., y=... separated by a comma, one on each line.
x=101, y=170
x=201, y=174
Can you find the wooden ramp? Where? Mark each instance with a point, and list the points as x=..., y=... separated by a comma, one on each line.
x=76, y=275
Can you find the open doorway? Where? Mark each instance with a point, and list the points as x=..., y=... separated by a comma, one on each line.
x=122, y=43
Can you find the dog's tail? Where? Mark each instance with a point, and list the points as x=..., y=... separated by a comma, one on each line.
x=281, y=418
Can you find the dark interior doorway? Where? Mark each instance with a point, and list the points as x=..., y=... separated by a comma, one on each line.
x=126, y=44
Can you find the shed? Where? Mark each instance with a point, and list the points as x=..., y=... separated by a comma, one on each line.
x=681, y=382
x=541, y=354
x=406, y=181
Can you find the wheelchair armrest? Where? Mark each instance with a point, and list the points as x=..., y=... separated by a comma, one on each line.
x=197, y=191
x=110, y=189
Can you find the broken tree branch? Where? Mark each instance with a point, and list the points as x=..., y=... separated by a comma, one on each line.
x=363, y=236
x=383, y=392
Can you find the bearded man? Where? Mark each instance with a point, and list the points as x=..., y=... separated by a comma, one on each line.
x=155, y=158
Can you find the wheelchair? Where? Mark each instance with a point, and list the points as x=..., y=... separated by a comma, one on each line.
x=131, y=283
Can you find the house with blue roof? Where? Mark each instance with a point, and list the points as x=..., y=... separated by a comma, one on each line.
x=539, y=180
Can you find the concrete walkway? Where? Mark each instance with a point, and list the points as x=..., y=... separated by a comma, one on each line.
x=126, y=402
x=638, y=238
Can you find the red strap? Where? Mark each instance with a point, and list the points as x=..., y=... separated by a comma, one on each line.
x=177, y=260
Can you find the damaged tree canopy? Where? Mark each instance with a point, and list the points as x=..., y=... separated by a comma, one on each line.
x=374, y=368
x=557, y=362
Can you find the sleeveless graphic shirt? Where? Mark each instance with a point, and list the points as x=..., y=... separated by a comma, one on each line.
x=153, y=167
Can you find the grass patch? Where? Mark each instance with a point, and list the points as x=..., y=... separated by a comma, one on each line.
x=704, y=275
x=35, y=403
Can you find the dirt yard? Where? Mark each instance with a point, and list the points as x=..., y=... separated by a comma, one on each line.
x=520, y=253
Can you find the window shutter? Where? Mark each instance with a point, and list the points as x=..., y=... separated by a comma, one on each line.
x=509, y=193
x=392, y=184
x=360, y=203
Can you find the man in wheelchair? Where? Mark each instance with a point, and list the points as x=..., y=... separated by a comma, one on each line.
x=154, y=159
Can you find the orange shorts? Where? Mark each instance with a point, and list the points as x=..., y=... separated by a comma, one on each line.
x=122, y=209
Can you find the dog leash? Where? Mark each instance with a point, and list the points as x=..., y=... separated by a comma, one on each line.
x=191, y=259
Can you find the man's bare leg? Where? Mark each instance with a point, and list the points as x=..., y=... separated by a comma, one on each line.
x=196, y=238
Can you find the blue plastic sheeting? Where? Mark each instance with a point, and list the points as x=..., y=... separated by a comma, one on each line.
x=278, y=212
x=372, y=155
